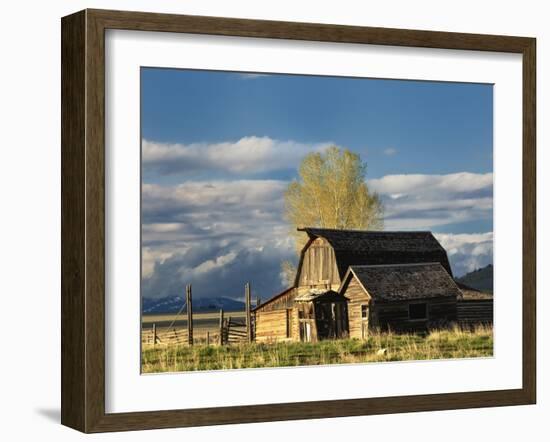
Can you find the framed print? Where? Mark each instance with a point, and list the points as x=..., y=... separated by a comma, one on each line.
x=267, y=216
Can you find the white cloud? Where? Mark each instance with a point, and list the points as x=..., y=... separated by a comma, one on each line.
x=249, y=155
x=453, y=242
x=390, y=151
x=151, y=256
x=215, y=263
x=426, y=201
x=467, y=251
x=454, y=182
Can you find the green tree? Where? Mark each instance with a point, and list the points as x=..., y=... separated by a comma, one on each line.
x=331, y=192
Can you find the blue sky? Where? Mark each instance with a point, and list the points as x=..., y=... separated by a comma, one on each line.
x=217, y=144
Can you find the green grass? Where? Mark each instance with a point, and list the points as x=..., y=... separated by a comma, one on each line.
x=438, y=344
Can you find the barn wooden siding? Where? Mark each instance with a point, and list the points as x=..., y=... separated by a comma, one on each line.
x=274, y=325
x=318, y=267
x=476, y=311
x=395, y=315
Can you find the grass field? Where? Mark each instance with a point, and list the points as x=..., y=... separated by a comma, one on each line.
x=380, y=347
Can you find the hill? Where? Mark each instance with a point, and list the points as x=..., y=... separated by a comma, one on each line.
x=481, y=279
x=173, y=305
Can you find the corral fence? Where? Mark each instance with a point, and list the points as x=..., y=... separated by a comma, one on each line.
x=230, y=331
x=234, y=332
x=165, y=336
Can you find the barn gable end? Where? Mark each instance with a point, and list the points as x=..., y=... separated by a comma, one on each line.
x=360, y=314
x=318, y=267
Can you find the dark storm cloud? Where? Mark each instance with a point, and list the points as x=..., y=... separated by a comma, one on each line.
x=218, y=271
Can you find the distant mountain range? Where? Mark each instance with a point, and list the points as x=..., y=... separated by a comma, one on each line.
x=174, y=304
x=481, y=279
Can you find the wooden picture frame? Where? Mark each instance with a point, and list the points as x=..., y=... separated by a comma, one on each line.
x=83, y=220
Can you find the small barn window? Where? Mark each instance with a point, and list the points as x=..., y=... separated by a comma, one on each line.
x=418, y=311
x=364, y=311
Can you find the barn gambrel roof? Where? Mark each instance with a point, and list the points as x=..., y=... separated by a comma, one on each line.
x=364, y=247
x=404, y=282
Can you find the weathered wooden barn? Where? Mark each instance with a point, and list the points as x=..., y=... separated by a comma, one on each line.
x=399, y=297
x=350, y=281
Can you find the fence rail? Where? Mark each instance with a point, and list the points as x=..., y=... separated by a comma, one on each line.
x=164, y=337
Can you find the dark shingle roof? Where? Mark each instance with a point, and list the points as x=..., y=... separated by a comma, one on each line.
x=363, y=247
x=406, y=281
x=320, y=295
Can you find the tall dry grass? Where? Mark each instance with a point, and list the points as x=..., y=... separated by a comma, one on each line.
x=379, y=347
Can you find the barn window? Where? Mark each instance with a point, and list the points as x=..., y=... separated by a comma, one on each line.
x=364, y=311
x=418, y=311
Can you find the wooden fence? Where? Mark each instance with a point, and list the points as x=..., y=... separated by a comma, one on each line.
x=235, y=331
x=230, y=331
x=165, y=336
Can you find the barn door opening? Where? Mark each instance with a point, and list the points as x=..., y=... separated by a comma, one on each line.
x=305, y=332
x=340, y=316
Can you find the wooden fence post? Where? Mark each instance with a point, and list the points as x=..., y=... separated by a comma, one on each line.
x=207, y=338
x=228, y=328
x=248, y=318
x=154, y=333
x=189, y=300
x=221, y=326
